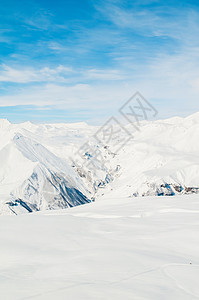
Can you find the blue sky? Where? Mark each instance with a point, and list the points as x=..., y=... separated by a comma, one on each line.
x=68, y=61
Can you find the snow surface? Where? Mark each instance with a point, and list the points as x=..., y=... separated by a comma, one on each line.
x=121, y=248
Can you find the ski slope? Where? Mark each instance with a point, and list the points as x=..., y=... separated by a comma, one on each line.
x=120, y=248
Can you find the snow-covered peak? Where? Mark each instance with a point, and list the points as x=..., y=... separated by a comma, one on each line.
x=33, y=178
x=4, y=123
x=192, y=119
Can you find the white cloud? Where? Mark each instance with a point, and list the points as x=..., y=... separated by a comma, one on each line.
x=161, y=21
x=26, y=75
x=107, y=74
x=171, y=81
x=60, y=74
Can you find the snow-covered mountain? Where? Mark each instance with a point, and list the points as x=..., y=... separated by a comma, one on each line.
x=32, y=178
x=39, y=169
x=162, y=159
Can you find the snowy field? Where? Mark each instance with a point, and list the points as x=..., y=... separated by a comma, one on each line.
x=126, y=248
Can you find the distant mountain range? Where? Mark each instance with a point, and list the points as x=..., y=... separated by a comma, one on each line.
x=39, y=170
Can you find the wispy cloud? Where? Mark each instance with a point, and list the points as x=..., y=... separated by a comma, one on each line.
x=156, y=21
x=60, y=74
x=27, y=75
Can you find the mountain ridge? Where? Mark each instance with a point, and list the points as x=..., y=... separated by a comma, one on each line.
x=38, y=167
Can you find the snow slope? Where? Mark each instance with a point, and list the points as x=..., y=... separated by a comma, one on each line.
x=120, y=248
x=32, y=178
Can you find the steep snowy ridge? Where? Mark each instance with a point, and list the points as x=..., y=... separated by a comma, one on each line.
x=32, y=178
